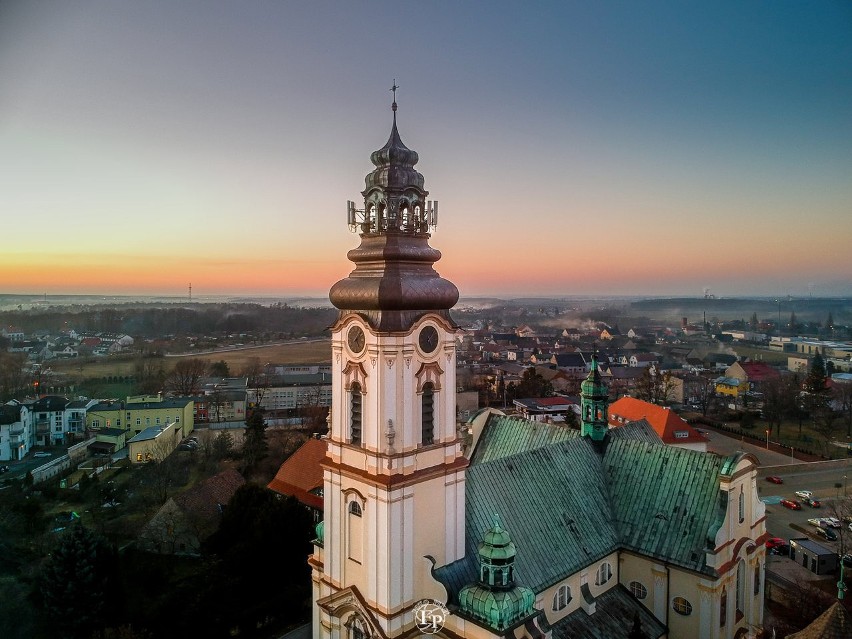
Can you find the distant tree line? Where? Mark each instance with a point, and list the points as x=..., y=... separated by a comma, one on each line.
x=150, y=321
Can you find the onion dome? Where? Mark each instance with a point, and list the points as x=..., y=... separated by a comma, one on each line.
x=593, y=386
x=394, y=164
x=495, y=600
x=394, y=281
x=320, y=530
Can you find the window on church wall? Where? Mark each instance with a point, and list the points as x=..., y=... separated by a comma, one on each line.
x=638, y=590
x=427, y=414
x=355, y=413
x=562, y=598
x=741, y=577
x=757, y=579
x=357, y=630
x=604, y=574
x=354, y=529
x=723, y=608
x=681, y=606
x=741, y=501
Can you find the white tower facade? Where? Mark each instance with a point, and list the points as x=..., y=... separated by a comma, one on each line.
x=394, y=476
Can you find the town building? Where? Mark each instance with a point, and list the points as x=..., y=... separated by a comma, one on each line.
x=531, y=530
x=140, y=412
x=17, y=432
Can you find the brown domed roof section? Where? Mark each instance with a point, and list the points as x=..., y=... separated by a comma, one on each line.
x=394, y=282
x=394, y=164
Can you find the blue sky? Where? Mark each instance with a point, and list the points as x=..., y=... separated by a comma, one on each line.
x=576, y=148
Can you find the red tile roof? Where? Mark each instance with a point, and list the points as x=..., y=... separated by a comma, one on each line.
x=301, y=473
x=759, y=371
x=664, y=421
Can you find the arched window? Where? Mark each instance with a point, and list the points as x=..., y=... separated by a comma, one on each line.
x=741, y=577
x=355, y=414
x=562, y=597
x=742, y=505
x=355, y=508
x=723, y=608
x=638, y=590
x=427, y=404
x=604, y=574
x=757, y=579
x=357, y=629
x=681, y=606
x=355, y=532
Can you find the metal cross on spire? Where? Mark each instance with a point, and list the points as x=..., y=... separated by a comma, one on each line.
x=394, y=88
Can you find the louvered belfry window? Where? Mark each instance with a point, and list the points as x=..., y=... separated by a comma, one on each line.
x=428, y=414
x=355, y=414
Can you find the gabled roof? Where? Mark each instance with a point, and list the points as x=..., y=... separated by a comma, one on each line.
x=301, y=474
x=759, y=371
x=834, y=623
x=671, y=428
x=658, y=500
x=203, y=503
x=614, y=617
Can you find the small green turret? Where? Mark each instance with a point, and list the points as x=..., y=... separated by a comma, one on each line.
x=495, y=600
x=594, y=404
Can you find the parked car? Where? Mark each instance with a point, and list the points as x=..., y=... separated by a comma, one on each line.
x=774, y=479
x=816, y=521
x=847, y=560
x=827, y=533
x=4, y=469
x=41, y=453
x=772, y=542
x=813, y=502
x=780, y=550
x=792, y=505
x=832, y=522
x=804, y=494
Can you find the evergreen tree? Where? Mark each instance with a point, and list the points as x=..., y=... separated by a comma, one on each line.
x=220, y=369
x=255, y=446
x=794, y=323
x=78, y=583
x=263, y=579
x=815, y=383
x=754, y=323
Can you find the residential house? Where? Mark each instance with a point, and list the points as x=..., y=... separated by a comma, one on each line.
x=752, y=374
x=155, y=443
x=17, y=432
x=185, y=521
x=642, y=360
x=140, y=412
x=49, y=418
x=300, y=476
x=570, y=363
x=668, y=425
x=75, y=418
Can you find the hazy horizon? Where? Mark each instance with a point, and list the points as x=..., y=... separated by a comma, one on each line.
x=582, y=147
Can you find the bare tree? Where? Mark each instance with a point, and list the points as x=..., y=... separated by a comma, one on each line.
x=185, y=378
x=259, y=380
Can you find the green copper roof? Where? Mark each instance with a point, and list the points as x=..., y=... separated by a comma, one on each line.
x=569, y=498
x=497, y=545
x=320, y=529
x=593, y=386
x=498, y=609
x=504, y=436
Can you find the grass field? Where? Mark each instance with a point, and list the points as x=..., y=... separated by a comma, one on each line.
x=308, y=352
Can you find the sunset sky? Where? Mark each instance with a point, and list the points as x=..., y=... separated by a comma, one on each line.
x=576, y=148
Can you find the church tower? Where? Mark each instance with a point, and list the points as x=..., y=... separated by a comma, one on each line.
x=594, y=404
x=394, y=475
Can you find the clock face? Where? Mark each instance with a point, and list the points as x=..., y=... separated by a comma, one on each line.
x=355, y=338
x=428, y=339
